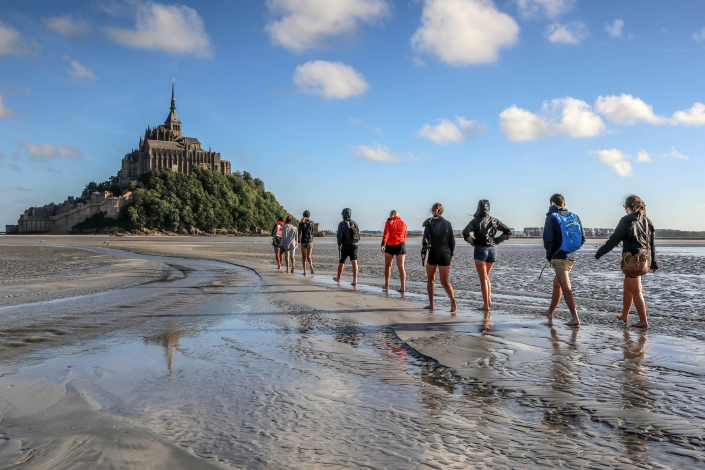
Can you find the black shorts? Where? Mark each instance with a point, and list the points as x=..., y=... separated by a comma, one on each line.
x=440, y=259
x=394, y=250
x=348, y=251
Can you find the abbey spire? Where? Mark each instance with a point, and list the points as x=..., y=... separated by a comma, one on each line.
x=172, y=121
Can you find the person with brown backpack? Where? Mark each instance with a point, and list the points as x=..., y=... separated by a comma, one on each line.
x=636, y=232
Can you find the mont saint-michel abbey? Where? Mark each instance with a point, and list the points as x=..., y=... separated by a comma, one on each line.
x=162, y=147
x=166, y=147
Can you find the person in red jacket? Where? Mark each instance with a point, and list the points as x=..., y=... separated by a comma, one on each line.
x=394, y=245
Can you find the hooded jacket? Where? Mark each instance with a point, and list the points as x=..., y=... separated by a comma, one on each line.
x=289, y=236
x=484, y=227
x=632, y=232
x=394, y=231
x=306, y=231
x=438, y=232
x=552, y=238
x=342, y=226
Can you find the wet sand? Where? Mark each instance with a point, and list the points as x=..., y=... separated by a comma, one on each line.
x=258, y=369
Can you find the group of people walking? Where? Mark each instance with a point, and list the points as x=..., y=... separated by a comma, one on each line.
x=563, y=236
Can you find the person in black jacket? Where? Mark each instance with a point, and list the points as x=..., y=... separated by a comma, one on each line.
x=438, y=235
x=306, y=240
x=484, y=228
x=347, y=246
x=636, y=232
x=560, y=261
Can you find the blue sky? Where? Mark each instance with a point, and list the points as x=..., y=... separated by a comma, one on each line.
x=370, y=104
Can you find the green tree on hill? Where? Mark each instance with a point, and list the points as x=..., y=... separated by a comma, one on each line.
x=203, y=199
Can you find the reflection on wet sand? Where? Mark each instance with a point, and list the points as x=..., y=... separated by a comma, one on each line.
x=170, y=341
x=562, y=376
x=636, y=395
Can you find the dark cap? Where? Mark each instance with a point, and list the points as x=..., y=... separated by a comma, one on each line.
x=307, y=214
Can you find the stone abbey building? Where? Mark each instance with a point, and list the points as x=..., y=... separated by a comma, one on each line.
x=162, y=147
x=166, y=147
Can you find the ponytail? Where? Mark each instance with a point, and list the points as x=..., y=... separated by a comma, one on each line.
x=635, y=203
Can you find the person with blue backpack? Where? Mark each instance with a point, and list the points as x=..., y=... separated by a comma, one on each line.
x=348, y=236
x=562, y=238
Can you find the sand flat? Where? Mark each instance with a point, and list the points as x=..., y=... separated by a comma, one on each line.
x=262, y=369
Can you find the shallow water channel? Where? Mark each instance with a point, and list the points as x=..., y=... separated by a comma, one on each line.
x=208, y=358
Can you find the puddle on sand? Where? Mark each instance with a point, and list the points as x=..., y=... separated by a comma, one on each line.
x=216, y=376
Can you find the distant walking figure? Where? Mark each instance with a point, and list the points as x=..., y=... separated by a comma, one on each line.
x=306, y=240
x=289, y=243
x=636, y=232
x=484, y=228
x=562, y=237
x=439, y=243
x=277, y=240
x=348, y=236
x=394, y=246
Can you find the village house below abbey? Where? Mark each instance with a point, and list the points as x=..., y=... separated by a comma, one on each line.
x=166, y=147
x=161, y=147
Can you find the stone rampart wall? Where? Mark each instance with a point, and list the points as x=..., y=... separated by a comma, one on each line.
x=62, y=223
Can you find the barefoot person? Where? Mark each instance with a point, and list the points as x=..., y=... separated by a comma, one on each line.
x=306, y=240
x=439, y=240
x=394, y=246
x=636, y=232
x=562, y=237
x=484, y=229
x=277, y=240
x=348, y=236
x=289, y=243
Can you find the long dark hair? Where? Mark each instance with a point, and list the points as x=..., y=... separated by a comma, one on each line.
x=635, y=203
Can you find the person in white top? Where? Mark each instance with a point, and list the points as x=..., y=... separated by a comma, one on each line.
x=289, y=242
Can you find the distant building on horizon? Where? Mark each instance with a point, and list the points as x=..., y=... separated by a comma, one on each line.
x=166, y=147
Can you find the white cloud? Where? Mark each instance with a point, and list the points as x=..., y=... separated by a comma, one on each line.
x=626, y=109
x=561, y=116
x=67, y=26
x=329, y=79
x=79, y=71
x=12, y=42
x=5, y=112
x=615, y=29
x=699, y=36
x=462, y=32
x=378, y=153
x=175, y=29
x=643, y=157
x=447, y=131
x=675, y=154
x=307, y=23
x=694, y=116
x=617, y=160
x=519, y=124
x=569, y=33
x=47, y=152
x=548, y=8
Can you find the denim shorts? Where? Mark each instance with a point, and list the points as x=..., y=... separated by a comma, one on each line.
x=486, y=254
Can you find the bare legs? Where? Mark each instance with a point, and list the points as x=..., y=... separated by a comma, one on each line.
x=633, y=295
x=445, y=282
x=341, y=266
x=306, y=257
x=278, y=255
x=483, y=270
x=388, y=270
x=561, y=285
x=402, y=272
x=289, y=255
